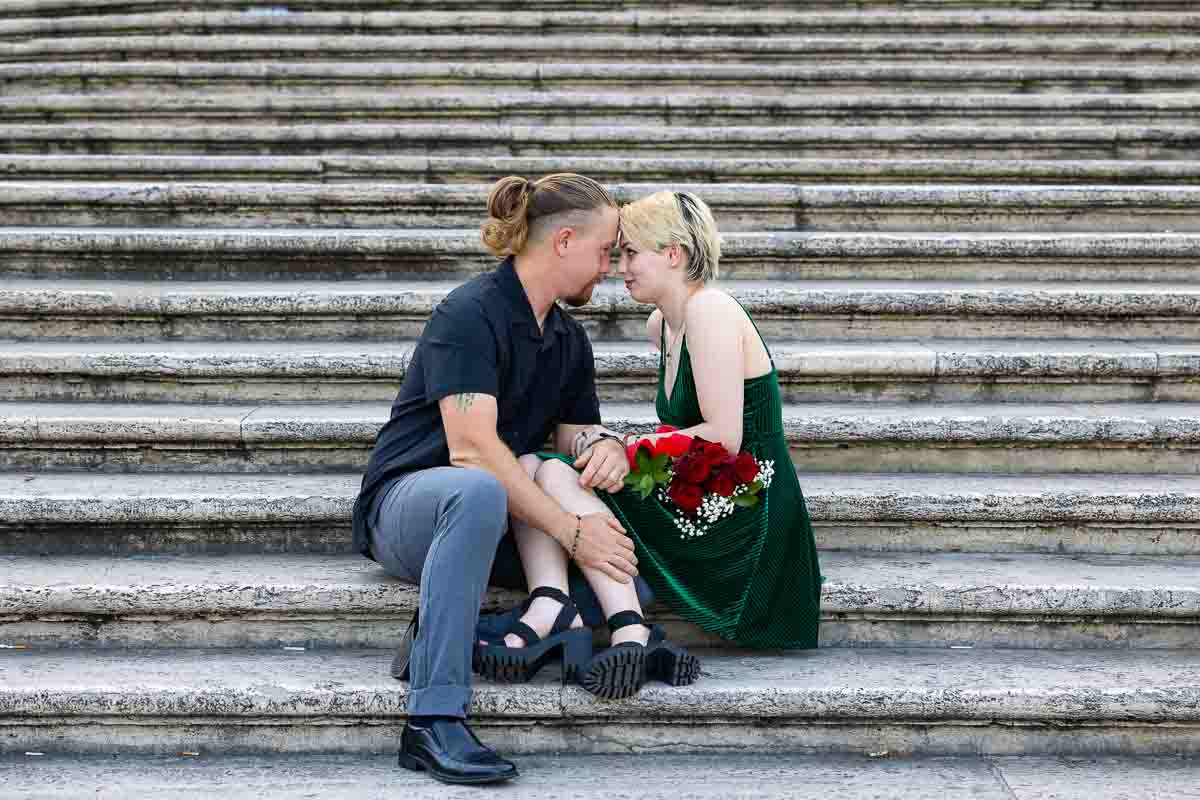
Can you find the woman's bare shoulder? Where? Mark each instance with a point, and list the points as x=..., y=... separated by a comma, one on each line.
x=712, y=305
x=654, y=325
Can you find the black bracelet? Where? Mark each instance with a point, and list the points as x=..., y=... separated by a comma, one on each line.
x=599, y=437
x=578, y=531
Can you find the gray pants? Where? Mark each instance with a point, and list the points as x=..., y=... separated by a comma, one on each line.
x=447, y=530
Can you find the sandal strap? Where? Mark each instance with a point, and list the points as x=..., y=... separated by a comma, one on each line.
x=623, y=619
x=525, y=632
x=568, y=613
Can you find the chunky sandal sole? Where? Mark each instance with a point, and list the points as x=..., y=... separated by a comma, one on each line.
x=615, y=674
x=521, y=664
x=672, y=666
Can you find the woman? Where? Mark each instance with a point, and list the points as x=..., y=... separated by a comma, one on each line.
x=753, y=578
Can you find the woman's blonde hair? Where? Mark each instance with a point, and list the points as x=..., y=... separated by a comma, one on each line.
x=666, y=218
x=521, y=210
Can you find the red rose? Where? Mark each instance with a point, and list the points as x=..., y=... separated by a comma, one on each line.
x=665, y=429
x=632, y=450
x=674, y=446
x=686, y=496
x=715, y=453
x=746, y=468
x=692, y=469
x=722, y=483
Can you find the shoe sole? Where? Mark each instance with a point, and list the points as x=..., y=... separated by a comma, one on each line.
x=673, y=667
x=616, y=674
x=415, y=764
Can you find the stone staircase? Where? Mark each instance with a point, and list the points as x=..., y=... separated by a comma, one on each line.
x=970, y=231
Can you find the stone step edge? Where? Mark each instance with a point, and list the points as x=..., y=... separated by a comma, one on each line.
x=269, y=71
x=891, y=586
x=449, y=242
x=362, y=167
x=613, y=136
x=472, y=196
x=49, y=498
x=862, y=687
x=581, y=103
x=923, y=360
x=809, y=46
x=676, y=22
x=417, y=299
x=267, y=426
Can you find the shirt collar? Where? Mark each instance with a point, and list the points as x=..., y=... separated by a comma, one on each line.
x=514, y=292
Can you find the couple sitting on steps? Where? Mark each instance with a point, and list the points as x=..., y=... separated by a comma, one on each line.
x=458, y=495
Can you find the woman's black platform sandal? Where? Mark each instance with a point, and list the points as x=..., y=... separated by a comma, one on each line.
x=496, y=661
x=669, y=663
x=619, y=671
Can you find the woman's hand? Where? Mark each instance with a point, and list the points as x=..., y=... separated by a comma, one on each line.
x=604, y=466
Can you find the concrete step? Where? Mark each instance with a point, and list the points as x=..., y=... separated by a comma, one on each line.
x=924, y=600
x=943, y=370
x=208, y=254
x=773, y=776
x=1121, y=141
x=55, y=8
x=1005, y=438
x=675, y=22
x=857, y=76
x=433, y=170
x=725, y=46
x=114, y=514
x=378, y=310
x=738, y=207
x=581, y=107
x=966, y=702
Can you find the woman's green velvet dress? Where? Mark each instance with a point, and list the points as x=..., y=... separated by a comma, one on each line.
x=753, y=578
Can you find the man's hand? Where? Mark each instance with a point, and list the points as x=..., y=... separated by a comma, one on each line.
x=603, y=545
x=604, y=466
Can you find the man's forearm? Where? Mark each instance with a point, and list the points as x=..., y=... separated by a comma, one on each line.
x=526, y=500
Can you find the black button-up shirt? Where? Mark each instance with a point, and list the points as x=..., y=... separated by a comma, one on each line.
x=484, y=339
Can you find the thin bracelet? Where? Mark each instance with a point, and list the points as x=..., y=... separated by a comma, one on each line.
x=600, y=437
x=578, y=531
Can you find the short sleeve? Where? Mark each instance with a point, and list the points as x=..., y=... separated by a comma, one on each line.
x=581, y=403
x=460, y=352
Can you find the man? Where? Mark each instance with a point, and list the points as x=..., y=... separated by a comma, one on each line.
x=498, y=369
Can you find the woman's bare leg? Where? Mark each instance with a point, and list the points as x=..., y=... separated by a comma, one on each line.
x=561, y=482
x=545, y=564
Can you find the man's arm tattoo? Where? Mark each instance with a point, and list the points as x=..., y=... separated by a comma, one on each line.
x=464, y=402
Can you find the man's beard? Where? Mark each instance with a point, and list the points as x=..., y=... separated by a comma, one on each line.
x=582, y=298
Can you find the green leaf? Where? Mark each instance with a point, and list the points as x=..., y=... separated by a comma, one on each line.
x=755, y=487
x=632, y=479
x=745, y=501
x=643, y=460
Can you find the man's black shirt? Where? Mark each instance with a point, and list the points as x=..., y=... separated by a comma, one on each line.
x=484, y=339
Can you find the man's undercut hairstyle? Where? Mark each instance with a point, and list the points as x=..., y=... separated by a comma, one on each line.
x=662, y=219
x=522, y=211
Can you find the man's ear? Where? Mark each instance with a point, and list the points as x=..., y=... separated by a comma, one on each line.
x=675, y=254
x=562, y=240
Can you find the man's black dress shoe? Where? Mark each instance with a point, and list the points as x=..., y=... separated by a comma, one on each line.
x=450, y=752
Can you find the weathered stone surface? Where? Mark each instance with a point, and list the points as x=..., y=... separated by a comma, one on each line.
x=678, y=22
x=867, y=697
x=458, y=138
x=390, y=310
x=871, y=600
x=360, y=168
x=663, y=777
x=859, y=76
x=738, y=207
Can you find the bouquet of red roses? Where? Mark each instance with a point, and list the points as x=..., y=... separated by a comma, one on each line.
x=701, y=478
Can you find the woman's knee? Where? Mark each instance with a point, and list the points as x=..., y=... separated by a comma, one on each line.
x=554, y=475
x=531, y=463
